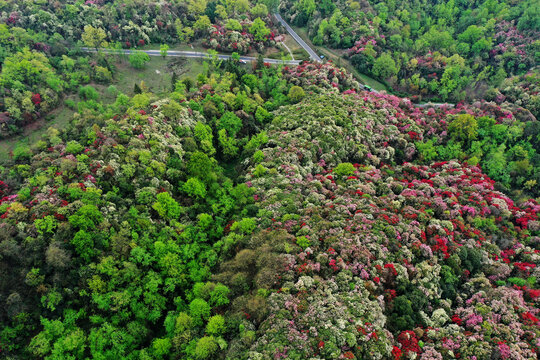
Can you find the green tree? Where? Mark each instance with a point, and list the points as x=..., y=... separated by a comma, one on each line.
x=195, y=188
x=231, y=123
x=46, y=225
x=172, y=110
x=464, y=128
x=296, y=94
x=184, y=33
x=94, y=37
x=213, y=56
x=530, y=18
x=215, y=326
x=203, y=167
x=384, y=66
x=161, y=347
x=497, y=165
x=87, y=217
x=219, y=296
x=199, y=310
x=138, y=59
x=84, y=245
x=166, y=206
x=259, y=29
x=262, y=115
x=472, y=34
x=163, y=50
x=203, y=133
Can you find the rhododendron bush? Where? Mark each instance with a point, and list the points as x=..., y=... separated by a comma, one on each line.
x=279, y=213
x=401, y=259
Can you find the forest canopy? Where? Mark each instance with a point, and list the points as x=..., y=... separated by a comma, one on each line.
x=162, y=208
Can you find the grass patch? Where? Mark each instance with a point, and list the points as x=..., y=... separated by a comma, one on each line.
x=125, y=79
x=60, y=117
x=155, y=76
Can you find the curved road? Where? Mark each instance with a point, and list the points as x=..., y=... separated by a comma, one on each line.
x=312, y=54
x=192, y=54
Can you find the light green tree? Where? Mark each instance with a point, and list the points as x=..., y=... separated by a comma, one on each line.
x=163, y=50
x=196, y=6
x=206, y=347
x=259, y=10
x=464, y=128
x=296, y=94
x=94, y=37
x=227, y=144
x=308, y=6
x=202, y=24
x=138, y=59
x=384, y=66
x=259, y=29
x=216, y=325
x=233, y=24
x=184, y=33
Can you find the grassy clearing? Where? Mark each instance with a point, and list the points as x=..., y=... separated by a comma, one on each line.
x=158, y=82
x=155, y=76
x=61, y=116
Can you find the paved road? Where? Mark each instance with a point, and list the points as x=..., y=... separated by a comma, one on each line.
x=312, y=54
x=193, y=54
x=429, y=104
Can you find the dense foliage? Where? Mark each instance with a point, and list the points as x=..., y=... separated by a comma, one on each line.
x=267, y=214
x=39, y=40
x=253, y=212
x=448, y=50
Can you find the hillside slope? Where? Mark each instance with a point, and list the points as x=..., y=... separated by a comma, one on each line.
x=274, y=214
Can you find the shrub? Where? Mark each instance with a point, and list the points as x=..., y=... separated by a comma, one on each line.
x=206, y=347
x=199, y=310
x=216, y=325
x=138, y=59
x=296, y=94
x=73, y=147
x=344, y=169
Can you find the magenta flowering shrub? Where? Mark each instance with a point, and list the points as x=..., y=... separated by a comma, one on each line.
x=402, y=259
x=324, y=76
x=240, y=41
x=511, y=43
